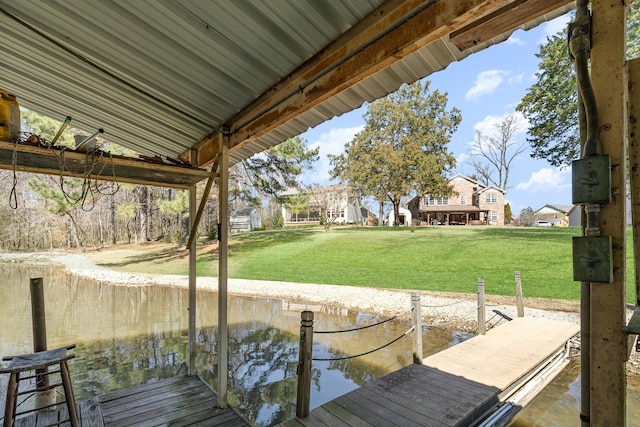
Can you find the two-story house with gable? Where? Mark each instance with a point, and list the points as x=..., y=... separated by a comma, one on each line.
x=470, y=204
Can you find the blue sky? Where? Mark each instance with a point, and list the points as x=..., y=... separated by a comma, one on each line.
x=485, y=86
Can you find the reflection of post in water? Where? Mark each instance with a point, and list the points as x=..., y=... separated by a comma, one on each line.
x=39, y=324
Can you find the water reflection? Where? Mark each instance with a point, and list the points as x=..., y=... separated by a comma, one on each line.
x=132, y=335
x=558, y=404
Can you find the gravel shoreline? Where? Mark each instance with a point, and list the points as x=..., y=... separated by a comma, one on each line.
x=459, y=312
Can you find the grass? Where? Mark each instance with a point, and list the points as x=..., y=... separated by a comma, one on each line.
x=448, y=259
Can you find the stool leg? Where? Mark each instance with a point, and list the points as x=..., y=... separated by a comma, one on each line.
x=68, y=393
x=10, y=404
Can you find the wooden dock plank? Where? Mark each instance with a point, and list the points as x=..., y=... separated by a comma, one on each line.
x=177, y=401
x=90, y=413
x=505, y=354
x=452, y=388
x=161, y=386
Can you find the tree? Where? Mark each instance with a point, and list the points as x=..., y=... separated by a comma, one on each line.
x=550, y=104
x=508, y=215
x=268, y=173
x=492, y=154
x=403, y=147
x=526, y=216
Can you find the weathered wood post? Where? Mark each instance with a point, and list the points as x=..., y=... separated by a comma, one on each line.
x=482, y=323
x=416, y=320
x=39, y=328
x=519, y=299
x=304, y=365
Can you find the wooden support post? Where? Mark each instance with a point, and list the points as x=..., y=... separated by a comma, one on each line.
x=519, y=299
x=304, y=364
x=634, y=164
x=608, y=300
x=482, y=322
x=39, y=326
x=223, y=245
x=191, y=347
x=416, y=320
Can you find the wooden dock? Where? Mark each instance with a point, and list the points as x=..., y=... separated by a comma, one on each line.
x=454, y=387
x=177, y=401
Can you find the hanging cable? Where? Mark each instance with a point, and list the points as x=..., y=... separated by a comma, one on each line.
x=579, y=34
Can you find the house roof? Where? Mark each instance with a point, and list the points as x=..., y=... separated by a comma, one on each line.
x=174, y=78
x=558, y=208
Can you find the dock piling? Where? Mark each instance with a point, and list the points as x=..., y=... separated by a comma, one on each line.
x=482, y=323
x=304, y=365
x=416, y=320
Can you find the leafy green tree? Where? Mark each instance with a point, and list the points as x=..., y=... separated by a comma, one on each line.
x=550, y=104
x=268, y=173
x=403, y=148
x=508, y=215
x=297, y=203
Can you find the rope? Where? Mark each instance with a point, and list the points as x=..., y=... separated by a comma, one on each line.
x=13, y=195
x=360, y=327
x=329, y=359
x=450, y=304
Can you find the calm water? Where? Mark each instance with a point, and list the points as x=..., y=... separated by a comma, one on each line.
x=131, y=335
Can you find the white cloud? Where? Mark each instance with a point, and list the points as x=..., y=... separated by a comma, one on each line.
x=486, y=83
x=547, y=180
x=554, y=26
x=488, y=125
x=516, y=79
x=515, y=40
x=331, y=142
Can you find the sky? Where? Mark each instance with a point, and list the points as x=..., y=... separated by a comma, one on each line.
x=485, y=86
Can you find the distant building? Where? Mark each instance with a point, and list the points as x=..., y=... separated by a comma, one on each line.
x=247, y=219
x=470, y=204
x=338, y=204
x=405, y=217
x=556, y=215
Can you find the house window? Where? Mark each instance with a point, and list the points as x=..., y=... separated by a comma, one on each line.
x=491, y=198
x=443, y=201
x=428, y=201
x=493, y=215
x=463, y=200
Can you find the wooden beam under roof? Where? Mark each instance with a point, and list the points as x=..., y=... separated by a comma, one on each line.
x=31, y=158
x=392, y=31
x=507, y=18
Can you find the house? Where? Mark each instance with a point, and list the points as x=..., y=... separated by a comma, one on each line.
x=339, y=204
x=470, y=204
x=557, y=215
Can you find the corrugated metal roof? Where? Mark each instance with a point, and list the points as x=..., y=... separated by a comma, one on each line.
x=159, y=76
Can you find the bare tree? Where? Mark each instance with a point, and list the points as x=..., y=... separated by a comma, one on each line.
x=492, y=155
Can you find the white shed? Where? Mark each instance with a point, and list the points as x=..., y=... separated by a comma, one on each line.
x=404, y=216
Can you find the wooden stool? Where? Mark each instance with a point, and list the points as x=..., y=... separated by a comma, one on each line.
x=38, y=362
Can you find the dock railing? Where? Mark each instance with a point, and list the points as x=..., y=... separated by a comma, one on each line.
x=306, y=349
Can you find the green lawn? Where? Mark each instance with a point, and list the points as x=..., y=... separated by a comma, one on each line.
x=428, y=258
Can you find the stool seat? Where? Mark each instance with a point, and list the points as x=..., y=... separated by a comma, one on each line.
x=38, y=362
x=41, y=359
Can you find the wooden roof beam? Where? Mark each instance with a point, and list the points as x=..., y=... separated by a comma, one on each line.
x=394, y=30
x=507, y=18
